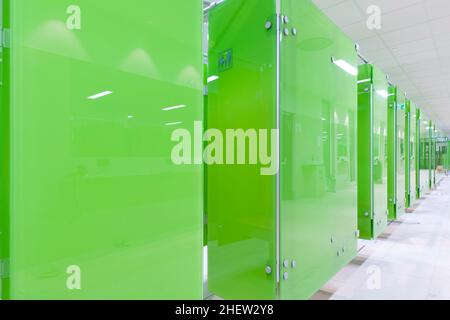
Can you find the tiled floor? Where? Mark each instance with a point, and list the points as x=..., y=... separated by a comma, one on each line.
x=411, y=260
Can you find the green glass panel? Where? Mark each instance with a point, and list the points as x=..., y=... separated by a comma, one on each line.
x=241, y=204
x=447, y=157
x=93, y=189
x=372, y=151
x=417, y=125
x=433, y=137
x=365, y=151
x=402, y=141
x=318, y=151
x=411, y=125
x=392, y=151
x=407, y=153
x=441, y=150
x=317, y=198
x=380, y=158
x=424, y=155
x=5, y=87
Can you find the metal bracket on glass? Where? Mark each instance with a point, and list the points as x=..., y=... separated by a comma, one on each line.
x=286, y=31
x=268, y=270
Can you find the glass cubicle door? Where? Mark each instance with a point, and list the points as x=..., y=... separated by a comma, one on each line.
x=96, y=207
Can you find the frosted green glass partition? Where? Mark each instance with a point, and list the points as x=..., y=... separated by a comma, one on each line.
x=433, y=137
x=447, y=157
x=441, y=155
x=372, y=151
x=417, y=125
x=425, y=159
x=285, y=235
x=402, y=142
x=411, y=176
x=318, y=145
x=392, y=151
x=398, y=142
x=241, y=203
x=92, y=205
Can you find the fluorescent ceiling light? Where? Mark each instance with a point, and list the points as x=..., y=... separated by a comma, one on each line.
x=173, y=123
x=174, y=107
x=100, y=95
x=344, y=65
x=213, y=78
x=363, y=81
x=383, y=93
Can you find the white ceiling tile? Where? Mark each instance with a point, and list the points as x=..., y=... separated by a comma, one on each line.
x=420, y=66
x=437, y=8
x=395, y=71
x=427, y=73
x=379, y=56
x=344, y=13
x=386, y=5
x=371, y=44
x=441, y=26
x=395, y=38
x=327, y=3
x=408, y=17
x=430, y=82
x=444, y=52
x=386, y=63
x=419, y=57
x=358, y=31
x=412, y=47
x=442, y=40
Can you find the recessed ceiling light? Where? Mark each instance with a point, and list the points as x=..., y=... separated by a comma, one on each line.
x=174, y=107
x=347, y=67
x=212, y=78
x=173, y=123
x=100, y=95
x=383, y=93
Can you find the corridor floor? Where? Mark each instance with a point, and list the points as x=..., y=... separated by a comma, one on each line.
x=411, y=260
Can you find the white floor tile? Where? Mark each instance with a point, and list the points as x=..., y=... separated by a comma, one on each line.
x=410, y=261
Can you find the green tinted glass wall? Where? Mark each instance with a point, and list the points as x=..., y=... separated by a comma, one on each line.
x=318, y=150
x=241, y=204
x=305, y=230
x=425, y=162
x=372, y=152
x=392, y=151
x=433, y=138
x=93, y=190
x=441, y=154
x=447, y=156
x=402, y=141
x=411, y=183
x=417, y=121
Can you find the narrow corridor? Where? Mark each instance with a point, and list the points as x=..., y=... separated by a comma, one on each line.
x=411, y=260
